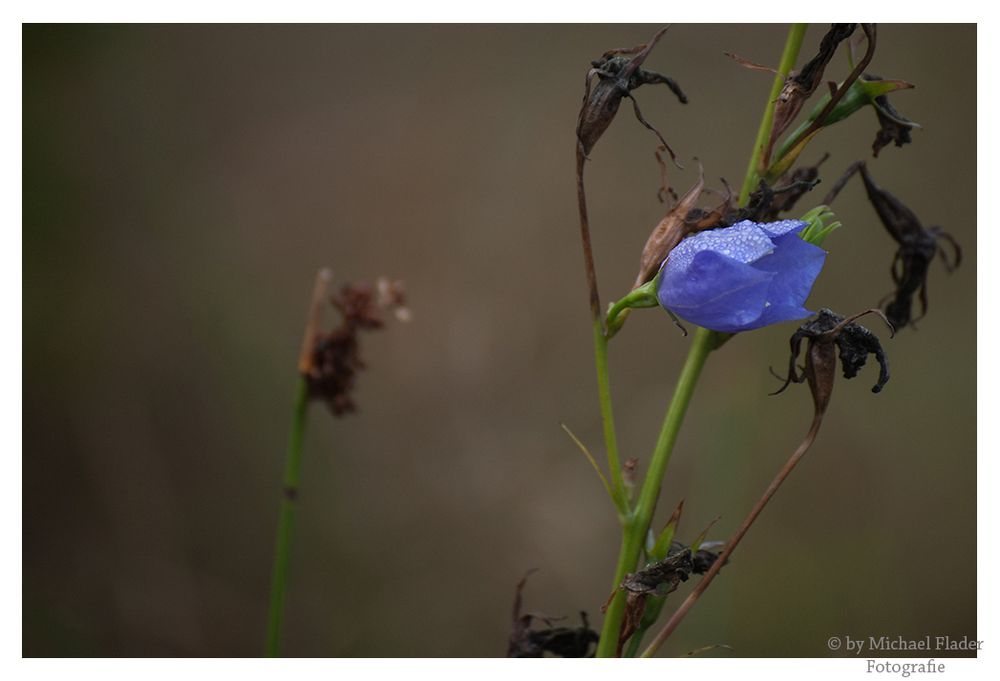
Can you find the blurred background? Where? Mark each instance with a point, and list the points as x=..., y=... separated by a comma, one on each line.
x=182, y=184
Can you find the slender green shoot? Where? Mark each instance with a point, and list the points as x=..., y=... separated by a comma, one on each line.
x=286, y=520
x=590, y=458
x=293, y=470
x=618, y=492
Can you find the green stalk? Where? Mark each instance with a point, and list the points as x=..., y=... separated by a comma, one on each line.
x=608, y=421
x=286, y=520
x=293, y=467
x=636, y=525
x=792, y=45
x=618, y=495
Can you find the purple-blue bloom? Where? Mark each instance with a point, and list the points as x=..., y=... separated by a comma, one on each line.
x=741, y=277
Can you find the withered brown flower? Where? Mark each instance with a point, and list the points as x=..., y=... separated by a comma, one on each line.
x=617, y=76
x=917, y=246
x=827, y=334
x=335, y=358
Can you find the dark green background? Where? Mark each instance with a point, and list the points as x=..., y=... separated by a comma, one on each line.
x=181, y=186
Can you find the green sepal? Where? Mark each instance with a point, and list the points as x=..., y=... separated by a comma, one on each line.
x=696, y=544
x=822, y=222
x=643, y=296
x=661, y=547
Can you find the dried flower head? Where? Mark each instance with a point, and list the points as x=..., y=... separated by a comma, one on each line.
x=917, y=246
x=827, y=334
x=617, y=75
x=335, y=356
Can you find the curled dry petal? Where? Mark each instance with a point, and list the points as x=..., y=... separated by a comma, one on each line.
x=917, y=246
x=893, y=126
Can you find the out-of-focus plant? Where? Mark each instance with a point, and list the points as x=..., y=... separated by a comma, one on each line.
x=328, y=365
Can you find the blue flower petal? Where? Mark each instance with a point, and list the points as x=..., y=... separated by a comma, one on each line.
x=782, y=227
x=716, y=292
x=741, y=277
x=774, y=314
x=795, y=264
x=743, y=242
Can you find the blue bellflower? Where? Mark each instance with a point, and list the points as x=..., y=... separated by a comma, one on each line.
x=741, y=277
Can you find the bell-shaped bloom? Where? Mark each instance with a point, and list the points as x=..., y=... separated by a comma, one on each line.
x=741, y=277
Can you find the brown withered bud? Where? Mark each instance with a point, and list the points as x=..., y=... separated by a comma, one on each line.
x=703, y=558
x=893, y=126
x=917, y=247
x=826, y=335
x=661, y=577
x=335, y=356
x=668, y=232
x=801, y=84
x=558, y=641
x=761, y=203
x=617, y=76
x=795, y=185
x=656, y=579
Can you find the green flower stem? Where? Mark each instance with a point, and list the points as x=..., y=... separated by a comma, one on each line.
x=618, y=494
x=286, y=520
x=792, y=45
x=636, y=525
x=293, y=466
